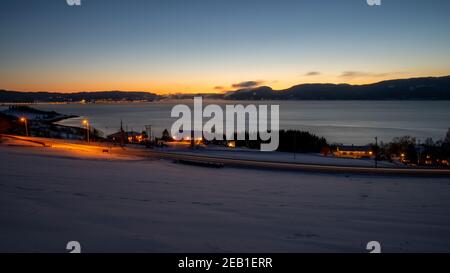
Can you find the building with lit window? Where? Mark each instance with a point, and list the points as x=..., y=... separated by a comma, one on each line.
x=354, y=151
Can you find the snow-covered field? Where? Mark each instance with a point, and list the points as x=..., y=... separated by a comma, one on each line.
x=119, y=204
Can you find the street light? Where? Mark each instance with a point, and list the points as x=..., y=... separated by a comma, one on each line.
x=24, y=121
x=402, y=157
x=86, y=123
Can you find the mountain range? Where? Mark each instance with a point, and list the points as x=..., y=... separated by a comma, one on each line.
x=429, y=88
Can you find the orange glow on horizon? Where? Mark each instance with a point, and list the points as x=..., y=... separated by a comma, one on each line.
x=216, y=85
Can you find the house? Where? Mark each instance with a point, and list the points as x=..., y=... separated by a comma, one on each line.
x=117, y=137
x=354, y=151
x=135, y=137
x=124, y=137
x=6, y=123
x=127, y=137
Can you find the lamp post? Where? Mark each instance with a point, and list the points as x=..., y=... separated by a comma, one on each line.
x=419, y=153
x=376, y=152
x=25, y=122
x=86, y=123
x=402, y=157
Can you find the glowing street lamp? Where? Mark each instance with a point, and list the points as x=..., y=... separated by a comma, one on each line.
x=25, y=122
x=86, y=123
x=402, y=157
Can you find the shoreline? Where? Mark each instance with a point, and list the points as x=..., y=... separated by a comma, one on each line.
x=58, y=119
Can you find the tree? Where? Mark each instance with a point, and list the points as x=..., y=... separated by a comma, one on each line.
x=406, y=146
x=144, y=136
x=447, y=137
x=301, y=142
x=429, y=142
x=166, y=135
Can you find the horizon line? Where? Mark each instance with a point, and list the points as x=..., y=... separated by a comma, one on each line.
x=220, y=92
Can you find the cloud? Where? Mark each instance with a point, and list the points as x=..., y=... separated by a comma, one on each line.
x=312, y=73
x=359, y=74
x=219, y=88
x=247, y=84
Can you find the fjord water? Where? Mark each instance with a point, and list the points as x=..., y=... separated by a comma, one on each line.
x=347, y=122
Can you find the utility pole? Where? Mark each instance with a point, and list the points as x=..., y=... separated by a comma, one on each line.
x=295, y=145
x=192, y=139
x=376, y=152
x=419, y=152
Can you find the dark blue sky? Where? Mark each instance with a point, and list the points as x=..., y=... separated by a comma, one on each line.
x=209, y=45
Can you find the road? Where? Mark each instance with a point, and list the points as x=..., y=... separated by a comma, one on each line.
x=244, y=163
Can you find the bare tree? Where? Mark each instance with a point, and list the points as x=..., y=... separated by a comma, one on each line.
x=447, y=137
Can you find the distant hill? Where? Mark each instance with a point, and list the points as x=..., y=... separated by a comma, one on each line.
x=212, y=96
x=431, y=88
x=407, y=89
x=29, y=97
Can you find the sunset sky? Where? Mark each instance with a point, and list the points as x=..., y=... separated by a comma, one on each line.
x=174, y=46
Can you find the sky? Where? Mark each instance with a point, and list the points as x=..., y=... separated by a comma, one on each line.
x=187, y=46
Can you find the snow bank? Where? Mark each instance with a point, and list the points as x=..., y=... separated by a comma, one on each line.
x=249, y=154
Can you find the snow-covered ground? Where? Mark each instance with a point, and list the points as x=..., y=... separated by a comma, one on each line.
x=49, y=197
x=34, y=116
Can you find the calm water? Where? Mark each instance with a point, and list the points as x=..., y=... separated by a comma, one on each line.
x=348, y=122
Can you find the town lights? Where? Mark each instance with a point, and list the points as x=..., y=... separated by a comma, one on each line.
x=25, y=122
